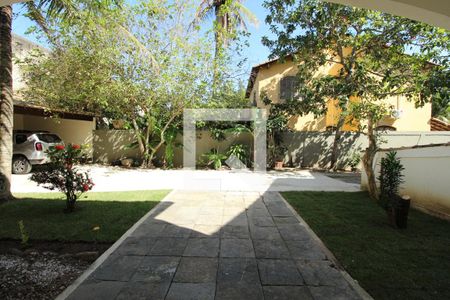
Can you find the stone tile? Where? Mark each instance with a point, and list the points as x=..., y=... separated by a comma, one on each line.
x=331, y=292
x=237, y=270
x=197, y=270
x=233, y=210
x=118, y=268
x=240, y=220
x=181, y=231
x=209, y=220
x=211, y=210
x=294, y=232
x=206, y=247
x=135, y=246
x=285, y=220
x=271, y=249
x=236, y=248
x=272, y=197
x=143, y=290
x=279, y=210
x=234, y=291
x=149, y=230
x=169, y=246
x=323, y=272
x=97, y=290
x=235, y=232
x=156, y=269
x=258, y=212
x=264, y=233
x=191, y=291
x=203, y=231
x=287, y=293
x=279, y=272
x=261, y=221
x=305, y=250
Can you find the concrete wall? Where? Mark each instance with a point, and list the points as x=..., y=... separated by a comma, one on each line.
x=313, y=149
x=427, y=174
x=70, y=131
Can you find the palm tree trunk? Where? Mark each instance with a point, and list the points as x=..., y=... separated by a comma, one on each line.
x=6, y=102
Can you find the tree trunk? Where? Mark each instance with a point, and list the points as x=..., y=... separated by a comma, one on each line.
x=368, y=158
x=337, y=139
x=6, y=103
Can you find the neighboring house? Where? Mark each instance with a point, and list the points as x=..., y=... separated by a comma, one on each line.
x=72, y=127
x=277, y=79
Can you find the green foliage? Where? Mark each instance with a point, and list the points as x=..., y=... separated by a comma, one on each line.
x=241, y=152
x=214, y=159
x=24, y=237
x=390, y=179
x=62, y=175
x=354, y=160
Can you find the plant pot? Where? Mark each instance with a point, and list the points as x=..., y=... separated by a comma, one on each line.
x=392, y=217
x=118, y=124
x=278, y=165
x=401, y=213
x=126, y=162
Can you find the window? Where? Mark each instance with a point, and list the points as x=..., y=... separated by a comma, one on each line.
x=21, y=138
x=288, y=87
x=331, y=128
x=254, y=99
x=49, y=138
x=385, y=128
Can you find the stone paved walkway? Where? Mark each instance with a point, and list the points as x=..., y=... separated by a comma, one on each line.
x=233, y=245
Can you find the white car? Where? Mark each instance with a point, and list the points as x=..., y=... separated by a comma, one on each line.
x=29, y=149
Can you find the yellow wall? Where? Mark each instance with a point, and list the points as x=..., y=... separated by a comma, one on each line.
x=268, y=81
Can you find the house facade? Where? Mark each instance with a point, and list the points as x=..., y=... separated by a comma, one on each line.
x=275, y=79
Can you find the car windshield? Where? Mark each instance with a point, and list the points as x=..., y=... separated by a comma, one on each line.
x=49, y=138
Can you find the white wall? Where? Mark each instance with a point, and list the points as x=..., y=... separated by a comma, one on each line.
x=427, y=177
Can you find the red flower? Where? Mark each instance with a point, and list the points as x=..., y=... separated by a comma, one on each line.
x=59, y=147
x=76, y=147
x=85, y=187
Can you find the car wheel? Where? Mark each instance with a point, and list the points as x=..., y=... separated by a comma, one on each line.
x=21, y=165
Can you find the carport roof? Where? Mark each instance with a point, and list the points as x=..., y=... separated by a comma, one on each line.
x=21, y=107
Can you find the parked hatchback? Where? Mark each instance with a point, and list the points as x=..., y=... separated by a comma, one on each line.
x=29, y=149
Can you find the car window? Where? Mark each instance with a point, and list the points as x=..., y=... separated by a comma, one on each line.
x=48, y=138
x=21, y=138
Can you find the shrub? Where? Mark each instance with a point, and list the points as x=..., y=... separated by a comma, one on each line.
x=390, y=179
x=241, y=152
x=214, y=158
x=62, y=175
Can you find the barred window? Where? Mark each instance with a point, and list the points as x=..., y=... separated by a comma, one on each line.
x=288, y=87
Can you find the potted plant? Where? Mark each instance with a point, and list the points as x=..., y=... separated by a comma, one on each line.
x=279, y=157
x=390, y=179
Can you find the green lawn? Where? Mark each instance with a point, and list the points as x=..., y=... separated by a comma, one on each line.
x=388, y=263
x=43, y=217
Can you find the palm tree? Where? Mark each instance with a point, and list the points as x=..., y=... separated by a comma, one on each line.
x=229, y=16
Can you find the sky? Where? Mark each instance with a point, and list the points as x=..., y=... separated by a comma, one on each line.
x=254, y=54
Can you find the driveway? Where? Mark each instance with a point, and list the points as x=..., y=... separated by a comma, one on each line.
x=119, y=179
x=217, y=245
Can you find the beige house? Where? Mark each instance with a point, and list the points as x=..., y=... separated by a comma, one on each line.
x=275, y=79
x=72, y=127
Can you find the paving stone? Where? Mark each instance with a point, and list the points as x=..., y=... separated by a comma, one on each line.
x=196, y=270
x=258, y=212
x=209, y=220
x=261, y=221
x=135, y=246
x=279, y=210
x=240, y=220
x=271, y=249
x=233, y=210
x=305, y=250
x=143, y=290
x=169, y=246
x=294, y=232
x=285, y=220
x=206, y=247
x=235, y=232
x=191, y=291
x=279, y=272
x=181, y=231
x=272, y=197
x=118, y=268
x=236, y=248
x=149, y=230
x=203, y=231
x=97, y=290
x=234, y=291
x=264, y=233
x=211, y=210
x=287, y=293
x=237, y=270
x=322, y=272
x=156, y=269
x=331, y=292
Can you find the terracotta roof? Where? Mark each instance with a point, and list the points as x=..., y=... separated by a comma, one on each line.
x=22, y=107
x=439, y=125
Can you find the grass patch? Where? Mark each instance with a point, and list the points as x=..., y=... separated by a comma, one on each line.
x=43, y=217
x=389, y=264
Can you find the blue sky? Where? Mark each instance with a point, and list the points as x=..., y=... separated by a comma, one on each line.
x=255, y=54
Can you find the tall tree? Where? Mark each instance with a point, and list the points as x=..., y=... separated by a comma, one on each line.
x=369, y=49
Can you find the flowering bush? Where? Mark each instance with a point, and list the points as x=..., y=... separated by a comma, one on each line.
x=62, y=175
